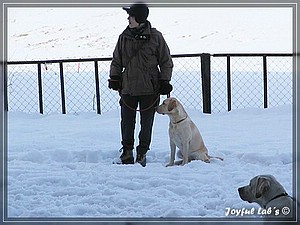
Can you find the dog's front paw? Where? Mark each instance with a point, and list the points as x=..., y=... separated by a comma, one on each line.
x=182, y=164
x=170, y=164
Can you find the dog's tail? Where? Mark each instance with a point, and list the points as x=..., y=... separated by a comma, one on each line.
x=215, y=157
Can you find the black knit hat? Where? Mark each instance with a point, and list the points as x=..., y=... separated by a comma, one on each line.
x=139, y=10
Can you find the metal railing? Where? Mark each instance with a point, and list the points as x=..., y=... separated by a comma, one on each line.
x=279, y=73
x=208, y=82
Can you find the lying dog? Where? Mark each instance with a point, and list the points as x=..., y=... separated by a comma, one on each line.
x=269, y=194
x=184, y=134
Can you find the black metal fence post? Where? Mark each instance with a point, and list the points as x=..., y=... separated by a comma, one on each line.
x=265, y=74
x=5, y=78
x=62, y=88
x=206, y=82
x=40, y=89
x=228, y=84
x=97, y=88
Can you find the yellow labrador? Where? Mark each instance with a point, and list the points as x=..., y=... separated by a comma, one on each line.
x=266, y=191
x=183, y=133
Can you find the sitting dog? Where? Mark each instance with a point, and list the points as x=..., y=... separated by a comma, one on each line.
x=266, y=191
x=184, y=134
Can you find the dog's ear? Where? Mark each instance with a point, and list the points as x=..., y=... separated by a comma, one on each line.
x=263, y=185
x=172, y=105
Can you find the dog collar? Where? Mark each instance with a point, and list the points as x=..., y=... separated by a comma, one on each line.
x=277, y=196
x=181, y=120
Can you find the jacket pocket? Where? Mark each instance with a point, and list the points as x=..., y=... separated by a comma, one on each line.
x=154, y=76
x=145, y=82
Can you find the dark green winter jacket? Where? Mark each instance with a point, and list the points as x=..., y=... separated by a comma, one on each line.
x=141, y=59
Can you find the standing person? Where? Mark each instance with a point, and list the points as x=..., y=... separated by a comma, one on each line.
x=140, y=70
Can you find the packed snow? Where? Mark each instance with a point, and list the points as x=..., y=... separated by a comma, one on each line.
x=61, y=165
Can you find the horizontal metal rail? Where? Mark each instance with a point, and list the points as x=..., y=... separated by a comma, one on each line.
x=173, y=56
x=254, y=55
x=58, y=61
x=205, y=76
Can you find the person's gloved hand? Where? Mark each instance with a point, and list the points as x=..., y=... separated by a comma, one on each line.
x=114, y=83
x=165, y=87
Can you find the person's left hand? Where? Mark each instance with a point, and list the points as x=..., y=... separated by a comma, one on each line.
x=165, y=87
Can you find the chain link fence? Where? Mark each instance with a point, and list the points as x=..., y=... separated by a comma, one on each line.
x=75, y=86
x=250, y=84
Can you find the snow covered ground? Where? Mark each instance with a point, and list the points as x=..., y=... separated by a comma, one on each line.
x=60, y=165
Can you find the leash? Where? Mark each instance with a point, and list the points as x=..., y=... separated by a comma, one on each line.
x=140, y=110
x=143, y=110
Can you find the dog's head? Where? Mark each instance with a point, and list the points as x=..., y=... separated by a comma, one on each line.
x=261, y=189
x=168, y=106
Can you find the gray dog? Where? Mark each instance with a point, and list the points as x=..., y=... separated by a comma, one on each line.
x=270, y=195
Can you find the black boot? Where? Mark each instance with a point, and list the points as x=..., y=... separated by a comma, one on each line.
x=141, y=159
x=126, y=157
x=141, y=155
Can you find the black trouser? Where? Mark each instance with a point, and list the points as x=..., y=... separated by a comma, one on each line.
x=129, y=105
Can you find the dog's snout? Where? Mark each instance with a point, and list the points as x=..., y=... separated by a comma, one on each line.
x=243, y=193
x=158, y=109
x=241, y=189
